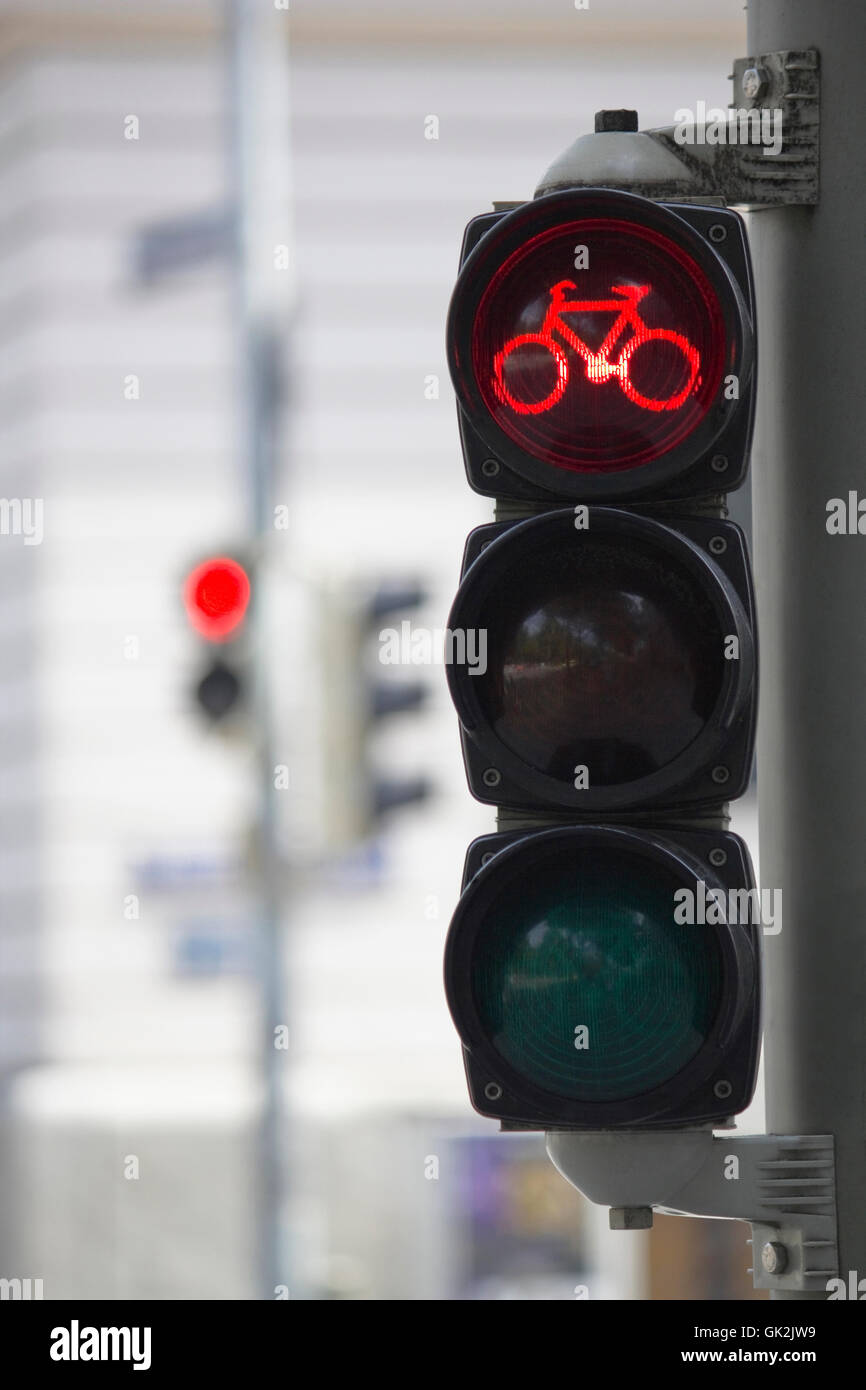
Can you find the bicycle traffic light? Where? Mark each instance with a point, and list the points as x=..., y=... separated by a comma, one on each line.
x=601, y=347
x=216, y=595
x=602, y=966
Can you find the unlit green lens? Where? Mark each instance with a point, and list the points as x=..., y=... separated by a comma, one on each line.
x=587, y=986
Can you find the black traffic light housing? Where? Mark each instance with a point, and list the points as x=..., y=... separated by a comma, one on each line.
x=602, y=350
x=218, y=594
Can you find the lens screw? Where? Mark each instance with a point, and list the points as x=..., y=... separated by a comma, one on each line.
x=774, y=1257
x=717, y=857
x=719, y=463
x=718, y=545
x=720, y=774
x=491, y=777
x=718, y=232
x=493, y=1091
x=722, y=1089
x=490, y=468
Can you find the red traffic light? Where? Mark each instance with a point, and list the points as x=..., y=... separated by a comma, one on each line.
x=601, y=346
x=216, y=597
x=621, y=362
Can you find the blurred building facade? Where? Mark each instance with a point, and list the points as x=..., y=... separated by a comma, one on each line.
x=128, y=1003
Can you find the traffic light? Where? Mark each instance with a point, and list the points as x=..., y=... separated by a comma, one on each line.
x=602, y=347
x=358, y=698
x=217, y=595
x=603, y=964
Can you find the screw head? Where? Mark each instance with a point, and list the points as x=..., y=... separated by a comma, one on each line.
x=718, y=463
x=722, y=1090
x=717, y=232
x=774, y=1257
x=491, y=777
x=493, y=1091
x=717, y=857
x=718, y=545
x=720, y=774
x=490, y=468
x=754, y=82
x=486, y=858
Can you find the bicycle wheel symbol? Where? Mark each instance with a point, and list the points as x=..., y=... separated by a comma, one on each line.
x=658, y=335
x=560, y=360
x=599, y=368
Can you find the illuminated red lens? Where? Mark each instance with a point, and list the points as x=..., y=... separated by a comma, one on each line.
x=216, y=596
x=599, y=345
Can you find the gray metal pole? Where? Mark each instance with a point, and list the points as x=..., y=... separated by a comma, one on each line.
x=810, y=269
x=257, y=352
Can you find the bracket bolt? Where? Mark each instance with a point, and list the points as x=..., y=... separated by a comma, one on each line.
x=774, y=1258
x=754, y=82
x=631, y=1218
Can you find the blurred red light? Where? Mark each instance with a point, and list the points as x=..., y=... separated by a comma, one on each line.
x=216, y=597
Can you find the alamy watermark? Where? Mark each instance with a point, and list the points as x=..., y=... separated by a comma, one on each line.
x=22, y=516
x=739, y=906
x=735, y=126
x=424, y=646
x=77, y=1343
x=21, y=1290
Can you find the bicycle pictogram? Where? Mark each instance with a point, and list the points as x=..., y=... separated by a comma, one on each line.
x=599, y=367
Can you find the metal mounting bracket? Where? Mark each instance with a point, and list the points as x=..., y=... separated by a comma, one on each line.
x=784, y=1185
x=724, y=161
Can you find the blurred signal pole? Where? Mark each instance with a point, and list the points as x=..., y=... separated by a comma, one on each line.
x=261, y=255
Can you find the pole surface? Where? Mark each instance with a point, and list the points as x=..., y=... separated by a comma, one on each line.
x=257, y=366
x=810, y=271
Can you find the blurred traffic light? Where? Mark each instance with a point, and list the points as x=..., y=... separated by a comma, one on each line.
x=217, y=595
x=359, y=699
x=602, y=350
